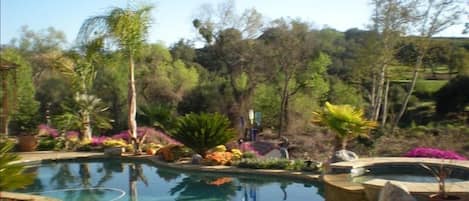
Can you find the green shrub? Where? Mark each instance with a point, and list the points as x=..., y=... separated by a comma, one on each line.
x=249, y=154
x=453, y=97
x=202, y=132
x=271, y=163
x=46, y=144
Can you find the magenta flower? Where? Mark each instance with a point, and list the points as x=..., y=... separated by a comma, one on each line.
x=72, y=134
x=151, y=133
x=46, y=130
x=434, y=153
x=98, y=141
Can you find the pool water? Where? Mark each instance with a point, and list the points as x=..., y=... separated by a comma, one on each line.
x=114, y=180
x=403, y=177
x=406, y=173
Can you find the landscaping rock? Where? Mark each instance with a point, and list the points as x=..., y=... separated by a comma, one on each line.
x=395, y=192
x=196, y=159
x=344, y=155
x=114, y=151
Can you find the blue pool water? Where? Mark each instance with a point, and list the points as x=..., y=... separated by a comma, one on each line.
x=114, y=180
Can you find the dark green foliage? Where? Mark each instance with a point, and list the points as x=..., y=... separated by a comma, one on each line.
x=23, y=106
x=12, y=175
x=157, y=115
x=46, y=144
x=201, y=132
x=272, y=163
x=454, y=96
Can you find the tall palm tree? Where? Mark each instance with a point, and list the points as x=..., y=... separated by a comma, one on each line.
x=128, y=28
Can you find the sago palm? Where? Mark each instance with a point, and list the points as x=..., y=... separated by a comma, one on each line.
x=129, y=28
x=346, y=121
x=12, y=175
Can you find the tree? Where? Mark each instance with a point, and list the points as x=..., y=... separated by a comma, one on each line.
x=453, y=97
x=128, y=27
x=24, y=107
x=391, y=19
x=434, y=17
x=232, y=52
x=459, y=61
x=346, y=121
x=299, y=67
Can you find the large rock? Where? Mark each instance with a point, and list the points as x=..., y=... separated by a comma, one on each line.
x=196, y=159
x=395, y=192
x=344, y=155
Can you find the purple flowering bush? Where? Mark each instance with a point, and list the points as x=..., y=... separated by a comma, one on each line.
x=98, y=141
x=433, y=153
x=153, y=136
x=47, y=131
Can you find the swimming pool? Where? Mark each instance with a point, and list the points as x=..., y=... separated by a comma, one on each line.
x=406, y=173
x=114, y=179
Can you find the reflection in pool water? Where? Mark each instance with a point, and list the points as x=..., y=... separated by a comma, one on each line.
x=116, y=180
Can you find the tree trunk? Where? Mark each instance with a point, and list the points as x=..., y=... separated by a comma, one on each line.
x=132, y=104
x=284, y=97
x=409, y=93
x=86, y=126
x=5, y=111
x=379, y=97
x=385, y=104
x=373, y=96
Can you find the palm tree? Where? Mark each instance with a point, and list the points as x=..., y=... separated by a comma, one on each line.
x=128, y=28
x=346, y=121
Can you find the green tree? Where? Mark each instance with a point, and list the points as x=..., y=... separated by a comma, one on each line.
x=129, y=28
x=434, y=16
x=299, y=67
x=24, y=107
x=459, y=61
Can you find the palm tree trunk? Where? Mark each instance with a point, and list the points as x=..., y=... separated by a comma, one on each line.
x=132, y=101
x=86, y=125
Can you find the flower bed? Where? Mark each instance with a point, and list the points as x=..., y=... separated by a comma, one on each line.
x=434, y=153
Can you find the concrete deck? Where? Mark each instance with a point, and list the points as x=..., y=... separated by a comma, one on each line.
x=373, y=186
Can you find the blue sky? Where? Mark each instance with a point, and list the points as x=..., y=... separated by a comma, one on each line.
x=172, y=18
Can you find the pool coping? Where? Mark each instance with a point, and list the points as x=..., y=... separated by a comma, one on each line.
x=342, y=179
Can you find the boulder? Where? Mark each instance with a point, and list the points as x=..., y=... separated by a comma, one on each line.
x=196, y=159
x=395, y=192
x=344, y=155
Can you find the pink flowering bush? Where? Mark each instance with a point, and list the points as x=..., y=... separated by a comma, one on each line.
x=152, y=136
x=47, y=131
x=72, y=135
x=98, y=141
x=434, y=153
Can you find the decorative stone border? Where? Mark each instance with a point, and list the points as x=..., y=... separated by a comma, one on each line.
x=341, y=185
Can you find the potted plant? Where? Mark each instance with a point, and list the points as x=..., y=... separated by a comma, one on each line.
x=441, y=173
x=27, y=140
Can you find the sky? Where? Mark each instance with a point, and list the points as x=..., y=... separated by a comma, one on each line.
x=172, y=19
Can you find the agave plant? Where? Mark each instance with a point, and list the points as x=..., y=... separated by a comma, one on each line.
x=202, y=132
x=346, y=121
x=12, y=175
